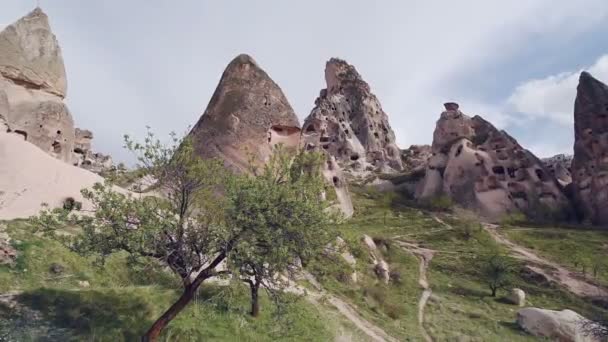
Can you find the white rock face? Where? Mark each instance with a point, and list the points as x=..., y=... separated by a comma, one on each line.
x=33, y=85
x=561, y=326
x=517, y=297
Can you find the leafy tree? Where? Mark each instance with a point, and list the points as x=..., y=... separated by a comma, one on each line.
x=496, y=271
x=280, y=203
x=181, y=226
x=197, y=219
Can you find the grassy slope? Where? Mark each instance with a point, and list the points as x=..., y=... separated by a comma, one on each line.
x=122, y=302
x=462, y=307
x=575, y=248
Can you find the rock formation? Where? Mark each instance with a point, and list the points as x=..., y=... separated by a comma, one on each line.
x=565, y=325
x=486, y=170
x=348, y=123
x=33, y=85
x=247, y=115
x=590, y=164
x=415, y=157
x=85, y=157
x=560, y=166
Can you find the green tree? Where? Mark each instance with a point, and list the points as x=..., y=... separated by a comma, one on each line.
x=280, y=203
x=496, y=271
x=182, y=225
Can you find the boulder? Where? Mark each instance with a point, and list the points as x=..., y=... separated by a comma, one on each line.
x=247, y=115
x=517, y=297
x=348, y=123
x=382, y=271
x=486, y=170
x=33, y=85
x=590, y=163
x=561, y=326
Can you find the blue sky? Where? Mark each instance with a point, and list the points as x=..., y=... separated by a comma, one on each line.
x=156, y=62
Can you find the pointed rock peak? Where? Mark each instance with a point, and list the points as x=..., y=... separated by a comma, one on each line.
x=339, y=73
x=30, y=54
x=588, y=83
x=248, y=114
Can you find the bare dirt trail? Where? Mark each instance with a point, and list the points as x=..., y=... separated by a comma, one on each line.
x=316, y=296
x=557, y=273
x=425, y=256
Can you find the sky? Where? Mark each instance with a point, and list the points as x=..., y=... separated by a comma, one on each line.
x=132, y=64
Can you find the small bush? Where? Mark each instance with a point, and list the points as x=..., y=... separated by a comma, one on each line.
x=71, y=204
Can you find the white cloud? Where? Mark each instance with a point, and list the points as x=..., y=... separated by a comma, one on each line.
x=553, y=97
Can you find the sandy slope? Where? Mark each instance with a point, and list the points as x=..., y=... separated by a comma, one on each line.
x=29, y=177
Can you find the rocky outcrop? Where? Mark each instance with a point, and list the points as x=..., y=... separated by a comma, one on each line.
x=415, y=157
x=486, y=170
x=349, y=124
x=247, y=115
x=84, y=156
x=33, y=85
x=590, y=164
x=562, y=326
x=560, y=167
x=517, y=297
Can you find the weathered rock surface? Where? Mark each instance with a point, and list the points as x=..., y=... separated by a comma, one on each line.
x=561, y=326
x=486, y=170
x=560, y=167
x=415, y=157
x=590, y=164
x=248, y=114
x=84, y=156
x=517, y=297
x=348, y=123
x=33, y=85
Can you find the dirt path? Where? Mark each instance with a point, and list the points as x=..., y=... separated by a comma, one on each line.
x=551, y=270
x=425, y=256
x=316, y=296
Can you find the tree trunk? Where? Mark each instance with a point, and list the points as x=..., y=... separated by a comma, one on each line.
x=494, y=291
x=255, y=300
x=154, y=332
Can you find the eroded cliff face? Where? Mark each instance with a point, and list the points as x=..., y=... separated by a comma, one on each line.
x=486, y=170
x=590, y=164
x=349, y=124
x=33, y=85
x=247, y=115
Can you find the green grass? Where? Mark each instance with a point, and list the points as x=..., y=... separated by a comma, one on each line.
x=462, y=308
x=124, y=299
x=580, y=249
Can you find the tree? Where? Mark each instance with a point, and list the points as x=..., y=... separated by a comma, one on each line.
x=496, y=271
x=281, y=203
x=182, y=226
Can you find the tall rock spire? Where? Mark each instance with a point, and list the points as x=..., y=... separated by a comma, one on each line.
x=30, y=54
x=247, y=114
x=590, y=164
x=33, y=85
x=348, y=122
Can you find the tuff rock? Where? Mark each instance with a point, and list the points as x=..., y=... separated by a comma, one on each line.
x=486, y=170
x=560, y=166
x=590, y=164
x=247, y=115
x=33, y=85
x=349, y=124
x=562, y=326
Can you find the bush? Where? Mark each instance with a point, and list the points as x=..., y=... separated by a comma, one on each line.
x=71, y=204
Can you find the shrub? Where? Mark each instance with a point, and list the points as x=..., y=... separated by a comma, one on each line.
x=71, y=204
